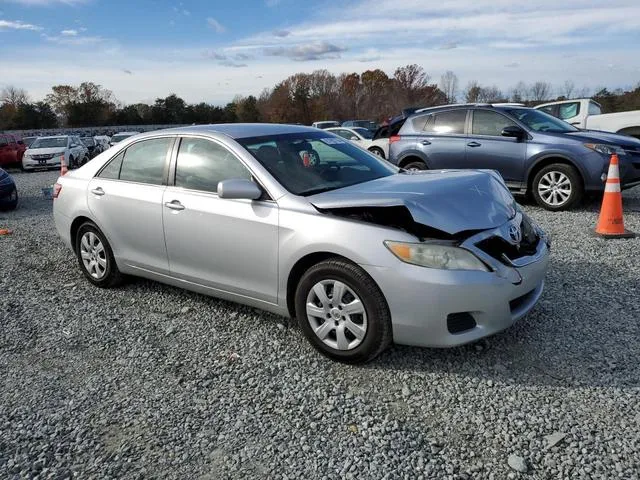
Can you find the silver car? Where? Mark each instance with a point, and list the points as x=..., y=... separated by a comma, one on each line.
x=302, y=223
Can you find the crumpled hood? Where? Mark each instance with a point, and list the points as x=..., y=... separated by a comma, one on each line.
x=451, y=201
x=597, y=136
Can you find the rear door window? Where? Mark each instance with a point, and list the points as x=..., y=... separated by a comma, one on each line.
x=594, y=109
x=447, y=123
x=145, y=161
x=568, y=110
x=486, y=122
x=112, y=169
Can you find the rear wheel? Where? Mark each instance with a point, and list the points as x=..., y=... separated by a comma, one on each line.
x=415, y=165
x=377, y=151
x=557, y=187
x=96, y=257
x=342, y=312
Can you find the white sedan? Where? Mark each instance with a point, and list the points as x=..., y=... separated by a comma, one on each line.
x=363, y=138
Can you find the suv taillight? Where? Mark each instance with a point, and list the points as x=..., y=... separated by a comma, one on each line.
x=394, y=138
x=57, y=188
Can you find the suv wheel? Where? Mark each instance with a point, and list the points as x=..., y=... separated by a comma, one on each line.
x=557, y=187
x=377, y=151
x=342, y=312
x=415, y=165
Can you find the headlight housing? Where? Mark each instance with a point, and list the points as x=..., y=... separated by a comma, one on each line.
x=605, y=149
x=436, y=255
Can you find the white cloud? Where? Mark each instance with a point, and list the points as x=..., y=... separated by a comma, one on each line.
x=45, y=3
x=18, y=25
x=215, y=25
x=69, y=33
x=76, y=40
x=311, y=51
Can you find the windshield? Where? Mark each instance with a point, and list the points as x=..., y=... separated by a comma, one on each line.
x=308, y=163
x=540, y=121
x=119, y=138
x=88, y=141
x=363, y=132
x=28, y=140
x=50, y=142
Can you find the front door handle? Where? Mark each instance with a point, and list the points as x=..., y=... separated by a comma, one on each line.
x=425, y=142
x=98, y=191
x=174, y=205
x=473, y=144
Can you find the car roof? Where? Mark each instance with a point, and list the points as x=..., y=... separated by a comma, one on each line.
x=242, y=130
x=57, y=136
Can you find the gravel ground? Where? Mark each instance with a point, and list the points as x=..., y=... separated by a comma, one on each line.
x=151, y=381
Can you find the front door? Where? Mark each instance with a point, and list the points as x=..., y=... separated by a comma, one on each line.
x=229, y=245
x=126, y=201
x=487, y=148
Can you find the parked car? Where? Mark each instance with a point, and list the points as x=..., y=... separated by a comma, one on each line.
x=103, y=141
x=368, y=124
x=325, y=124
x=534, y=152
x=586, y=113
x=93, y=147
x=46, y=152
x=28, y=141
x=380, y=140
x=302, y=223
x=8, y=192
x=118, y=137
x=11, y=150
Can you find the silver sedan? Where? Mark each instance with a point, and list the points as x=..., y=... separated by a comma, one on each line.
x=300, y=222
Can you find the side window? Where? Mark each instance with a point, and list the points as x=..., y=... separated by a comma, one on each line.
x=550, y=109
x=144, y=161
x=3, y=141
x=344, y=134
x=594, y=109
x=112, y=169
x=568, y=110
x=486, y=122
x=451, y=122
x=420, y=122
x=201, y=164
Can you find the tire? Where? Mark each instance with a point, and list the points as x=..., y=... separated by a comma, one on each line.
x=377, y=151
x=415, y=165
x=110, y=276
x=71, y=162
x=557, y=187
x=11, y=203
x=370, y=320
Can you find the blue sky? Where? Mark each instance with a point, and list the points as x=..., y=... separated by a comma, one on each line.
x=212, y=50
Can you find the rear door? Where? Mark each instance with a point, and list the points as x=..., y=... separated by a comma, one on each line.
x=126, y=201
x=487, y=148
x=443, y=139
x=229, y=245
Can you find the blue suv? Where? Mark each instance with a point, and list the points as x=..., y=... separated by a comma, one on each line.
x=534, y=152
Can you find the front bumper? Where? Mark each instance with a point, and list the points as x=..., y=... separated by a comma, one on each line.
x=31, y=164
x=421, y=300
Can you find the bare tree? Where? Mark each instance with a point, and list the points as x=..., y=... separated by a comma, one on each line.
x=584, y=92
x=520, y=93
x=449, y=85
x=540, y=91
x=13, y=96
x=490, y=94
x=569, y=88
x=473, y=92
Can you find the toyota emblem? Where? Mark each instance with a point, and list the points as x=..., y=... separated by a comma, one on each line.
x=515, y=233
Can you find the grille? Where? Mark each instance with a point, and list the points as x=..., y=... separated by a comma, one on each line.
x=499, y=248
x=43, y=157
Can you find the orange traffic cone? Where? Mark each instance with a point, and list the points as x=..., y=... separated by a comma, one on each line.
x=63, y=166
x=5, y=231
x=611, y=223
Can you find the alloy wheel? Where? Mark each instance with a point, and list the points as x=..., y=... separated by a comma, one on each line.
x=94, y=256
x=554, y=188
x=336, y=315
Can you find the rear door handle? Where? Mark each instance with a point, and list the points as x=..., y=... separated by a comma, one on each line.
x=425, y=142
x=98, y=191
x=473, y=144
x=174, y=205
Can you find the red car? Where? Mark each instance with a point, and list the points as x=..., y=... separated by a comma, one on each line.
x=11, y=150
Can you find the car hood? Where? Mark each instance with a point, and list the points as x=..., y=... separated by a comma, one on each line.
x=597, y=136
x=451, y=201
x=45, y=151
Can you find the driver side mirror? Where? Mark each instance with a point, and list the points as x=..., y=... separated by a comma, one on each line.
x=239, y=188
x=513, y=131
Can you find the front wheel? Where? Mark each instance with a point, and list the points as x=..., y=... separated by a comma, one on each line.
x=377, y=152
x=557, y=187
x=342, y=312
x=96, y=257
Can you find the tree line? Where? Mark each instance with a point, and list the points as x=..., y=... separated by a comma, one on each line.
x=300, y=98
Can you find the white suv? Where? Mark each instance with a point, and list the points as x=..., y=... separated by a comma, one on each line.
x=45, y=152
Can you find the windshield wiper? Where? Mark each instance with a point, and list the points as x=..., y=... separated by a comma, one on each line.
x=313, y=191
